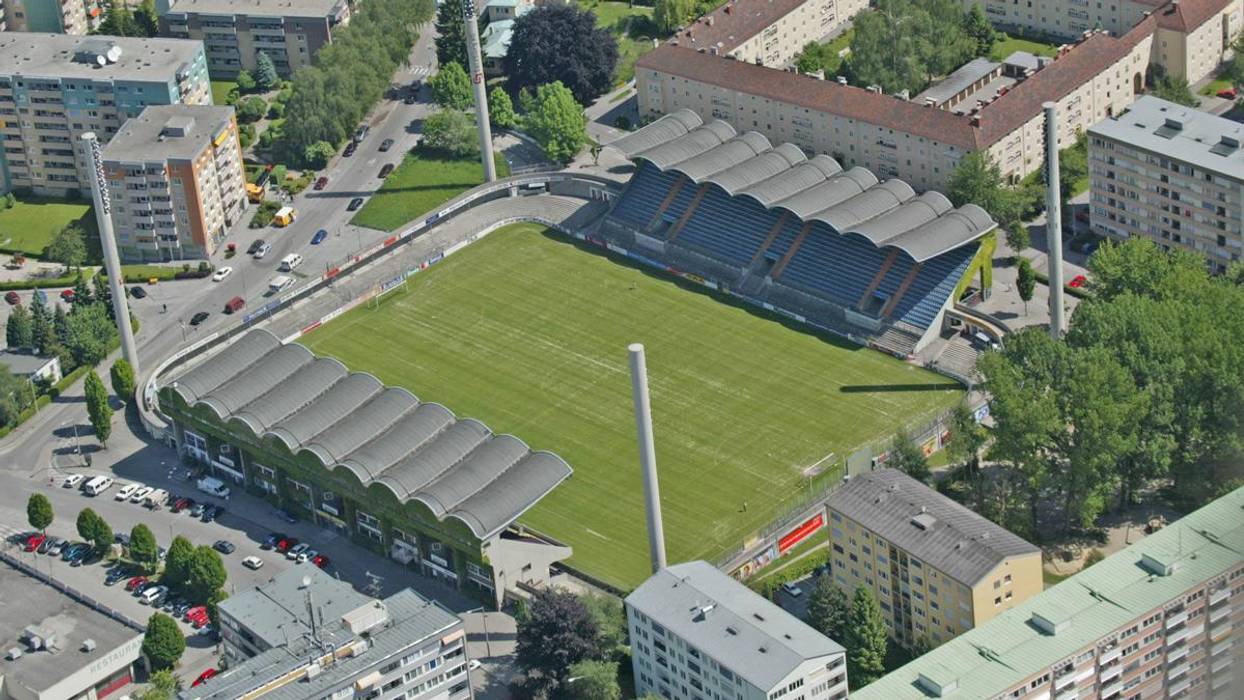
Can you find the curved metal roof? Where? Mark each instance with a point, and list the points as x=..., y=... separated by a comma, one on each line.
x=886, y=213
x=420, y=451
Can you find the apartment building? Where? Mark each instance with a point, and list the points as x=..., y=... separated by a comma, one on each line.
x=919, y=141
x=1160, y=619
x=55, y=87
x=1172, y=174
x=766, y=32
x=404, y=646
x=234, y=32
x=698, y=634
x=176, y=181
x=1193, y=36
x=56, y=16
x=937, y=568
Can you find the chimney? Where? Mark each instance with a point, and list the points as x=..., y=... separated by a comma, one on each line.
x=647, y=455
x=976, y=120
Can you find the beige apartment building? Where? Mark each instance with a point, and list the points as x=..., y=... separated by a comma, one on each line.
x=57, y=16
x=1172, y=174
x=55, y=87
x=234, y=32
x=767, y=32
x=176, y=181
x=1192, y=37
x=1159, y=619
x=937, y=568
x=918, y=141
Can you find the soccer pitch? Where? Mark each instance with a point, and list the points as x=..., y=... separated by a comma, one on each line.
x=528, y=333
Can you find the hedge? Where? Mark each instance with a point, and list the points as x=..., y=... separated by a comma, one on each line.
x=65, y=281
x=138, y=274
x=1077, y=292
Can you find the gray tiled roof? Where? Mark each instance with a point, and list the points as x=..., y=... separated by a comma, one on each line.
x=885, y=213
x=960, y=543
x=37, y=55
x=721, y=617
x=419, y=451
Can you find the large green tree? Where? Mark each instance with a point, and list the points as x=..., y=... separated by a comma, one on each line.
x=163, y=685
x=865, y=638
x=827, y=608
x=451, y=87
x=593, y=680
x=14, y=396
x=122, y=375
x=143, y=548
x=557, y=632
x=19, y=329
x=163, y=642
x=1175, y=89
x=68, y=246
x=906, y=45
x=501, y=109
x=177, y=564
x=97, y=407
x=561, y=43
x=95, y=530
x=1025, y=280
x=452, y=132
x=266, y=77
x=669, y=15
x=205, y=574
x=908, y=457
x=450, y=33
x=977, y=26
x=89, y=334
x=557, y=123
x=39, y=512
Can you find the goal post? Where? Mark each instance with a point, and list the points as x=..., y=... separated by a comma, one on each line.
x=385, y=287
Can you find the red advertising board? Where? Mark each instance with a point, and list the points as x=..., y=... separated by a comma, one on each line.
x=801, y=533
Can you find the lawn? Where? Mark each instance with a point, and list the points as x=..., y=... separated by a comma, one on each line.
x=633, y=28
x=423, y=182
x=32, y=222
x=1011, y=44
x=221, y=90
x=528, y=333
x=1212, y=87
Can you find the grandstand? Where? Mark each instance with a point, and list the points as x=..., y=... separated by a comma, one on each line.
x=849, y=252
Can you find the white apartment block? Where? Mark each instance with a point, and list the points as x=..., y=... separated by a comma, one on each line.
x=56, y=87
x=697, y=634
x=176, y=181
x=767, y=32
x=1172, y=174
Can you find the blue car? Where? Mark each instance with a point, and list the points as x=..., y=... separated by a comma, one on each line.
x=319, y=237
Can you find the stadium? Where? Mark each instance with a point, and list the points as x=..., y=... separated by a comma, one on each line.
x=757, y=309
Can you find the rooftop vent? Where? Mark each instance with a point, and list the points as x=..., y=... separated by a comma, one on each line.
x=732, y=631
x=88, y=645
x=939, y=688
x=842, y=80
x=13, y=654
x=924, y=521
x=1156, y=566
x=1226, y=146
x=1048, y=625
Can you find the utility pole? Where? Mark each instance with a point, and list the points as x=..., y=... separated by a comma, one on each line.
x=112, y=261
x=481, y=94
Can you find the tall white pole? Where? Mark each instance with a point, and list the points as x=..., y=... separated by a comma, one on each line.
x=1053, y=220
x=647, y=455
x=112, y=261
x=481, y=94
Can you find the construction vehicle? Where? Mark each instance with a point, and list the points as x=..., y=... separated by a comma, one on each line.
x=284, y=217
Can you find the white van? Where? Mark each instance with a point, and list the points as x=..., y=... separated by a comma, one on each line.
x=156, y=498
x=212, y=485
x=127, y=491
x=289, y=262
x=98, y=485
x=279, y=284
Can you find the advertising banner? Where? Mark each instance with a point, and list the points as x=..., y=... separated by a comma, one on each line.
x=801, y=533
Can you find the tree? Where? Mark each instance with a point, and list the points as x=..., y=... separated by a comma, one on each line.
x=14, y=394
x=177, y=563
x=559, y=632
x=610, y=621
x=123, y=383
x=82, y=294
x=19, y=329
x=205, y=574
x=905, y=45
x=318, y=154
x=213, y=606
x=809, y=59
x=561, y=43
x=68, y=246
x=450, y=33
x=827, y=608
x=39, y=512
x=865, y=639
x=95, y=530
x=266, y=77
x=669, y=15
x=1175, y=89
x=246, y=81
x=501, y=109
x=557, y=123
x=1234, y=70
x=452, y=132
x=119, y=21
x=1025, y=281
x=146, y=19
x=451, y=87
x=88, y=334
x=163, y=642
x=252, y=109
x=143, y=547
x=982, y=32
x=97, y=407
x=593, y=680
x=1017, y=237
x=978, y=180
x=103, y=294
x=164, y=686
x=967, y=439
x=908, y=457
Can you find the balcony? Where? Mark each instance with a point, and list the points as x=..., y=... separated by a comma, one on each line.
x=1110, y=674
x=1221, y=664
x=1177, y=688
x=1111, y=691
x=1110, y=656
x=1222, y=646
x=1177, y=654
x=1177, y=637
x=1216, y=615
x=1174, y=620
x=1221, y=594
x=1179, y=670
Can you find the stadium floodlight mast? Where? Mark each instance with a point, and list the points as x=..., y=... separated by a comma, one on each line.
x=112, y=262
x=1053, y=220
x=481, y=94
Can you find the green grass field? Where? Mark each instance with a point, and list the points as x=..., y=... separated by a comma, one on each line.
x=29, y=226
x=1011, y=44
x=528, y=333
x=221, y=90
x=423, y=182
x=631, y=25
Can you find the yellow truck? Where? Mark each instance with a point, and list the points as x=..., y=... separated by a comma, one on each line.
x=284, y=217
x=255, y=193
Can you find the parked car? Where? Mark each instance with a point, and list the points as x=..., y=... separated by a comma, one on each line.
x=297, y=551
x=194, y=612
x=138, y=292
x=252, y=562
x=210, y=513
x=306, y=555
x=124, y=493
x=262, y=251
x=224, y=547
x=410, y=99
x=361, y=132
x=203, y=677
x=57, y=544
x=320, y=560
x=1227, y=94
x=792, y=590
x=386, y=145
x=153, y=595
x=72, y=480
x=141, y=494
x=115, y=574
x=222, y=273
x=135, y=583
x=321, y=182
x=354, y=204
x=13, y=298
x=272, y=539
x=74, y=551
x=182, y=504
x=285, y=544
x=319, y=237
x=198, y=318
x=43, y=546
x=34, y=541
x=254, y=247
x=121, y=538
x=350, y=148
x=196, y=510
x=385, y=170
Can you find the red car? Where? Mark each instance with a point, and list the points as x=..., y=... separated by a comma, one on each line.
x=1227, y=94
x=13, y=298
x=1077, y=282
x=33, y=542
x=320, y=560
x=321, y=183
x=200, y=621
x=67, y=295
x=182, y=504
x=135, y=583
x=285, y=543
x=203, y=677
x=199, y=611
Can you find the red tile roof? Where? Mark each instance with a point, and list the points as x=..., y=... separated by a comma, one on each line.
x=734, y=23
x=1186, y=15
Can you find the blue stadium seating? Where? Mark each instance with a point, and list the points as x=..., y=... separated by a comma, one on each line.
x=779, y=246
x=837, y=266
x=727, y=228
x=643, y=197
x=929, y=291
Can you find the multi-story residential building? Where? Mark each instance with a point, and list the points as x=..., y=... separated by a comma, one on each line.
x=1173, y=174
x=937, y=568
x=1192, y=36
x=176, y=182
x=404, y=646
x=919, y=141
x=697, y=633
x=766, y=32
x=1160, y=619
x=55, y=87
x=57, y=16
x=234, y=32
